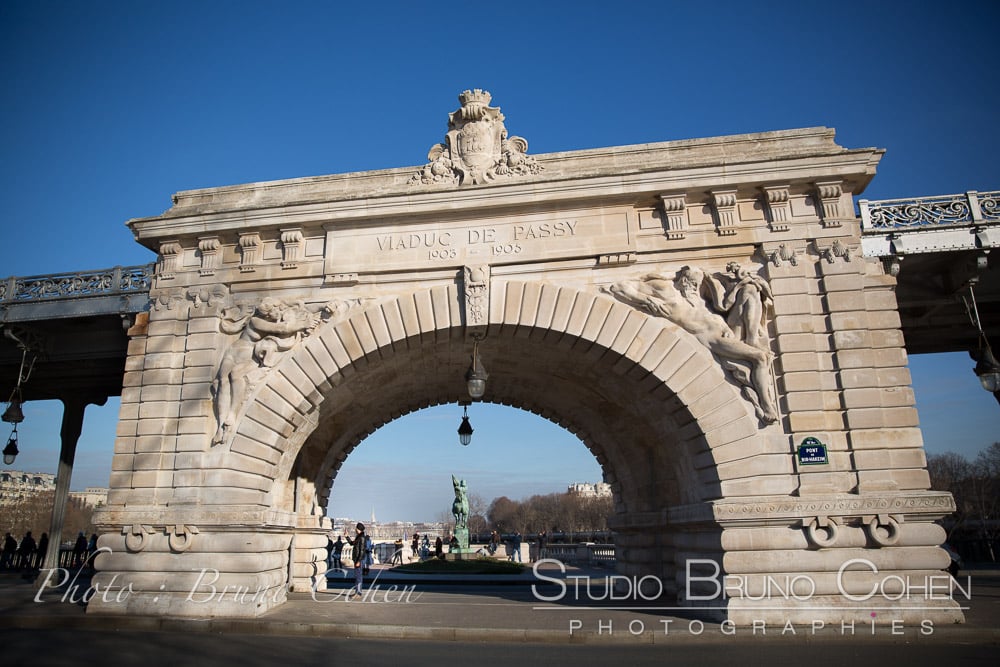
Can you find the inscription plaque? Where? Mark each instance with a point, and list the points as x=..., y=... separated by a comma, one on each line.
x=484, y=241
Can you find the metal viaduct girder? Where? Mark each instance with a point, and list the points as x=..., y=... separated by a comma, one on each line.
x=937, y=247
x=74, y=328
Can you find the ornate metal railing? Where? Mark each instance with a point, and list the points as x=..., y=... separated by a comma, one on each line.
x=961, y=210
x=602, y=555
x=107, y=282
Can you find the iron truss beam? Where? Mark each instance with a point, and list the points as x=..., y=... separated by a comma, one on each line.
x=937, y=247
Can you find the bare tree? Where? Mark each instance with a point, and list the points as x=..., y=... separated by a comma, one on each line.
x=976, y=488
x=950, y=472
x=985, y=494
x=34, y=513
x=477, y=514
x=502, y=514
x=555, y=512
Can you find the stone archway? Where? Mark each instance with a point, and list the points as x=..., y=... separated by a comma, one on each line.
x=291, y=319
x=620, y=381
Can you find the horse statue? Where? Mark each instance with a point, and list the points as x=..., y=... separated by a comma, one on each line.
x=460, y=508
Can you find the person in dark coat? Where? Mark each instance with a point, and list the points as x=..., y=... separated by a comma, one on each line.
x=26, y=551
x=43, y=546
x=9, y=550
x=358, y=555
x=79, y=549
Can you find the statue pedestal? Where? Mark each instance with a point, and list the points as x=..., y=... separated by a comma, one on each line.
x=462, y=535
x=462, y=551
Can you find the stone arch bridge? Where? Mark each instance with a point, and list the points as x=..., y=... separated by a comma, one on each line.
x=699, y=313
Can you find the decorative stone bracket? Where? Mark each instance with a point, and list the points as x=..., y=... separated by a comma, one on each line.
x=834, y=250
x=778, y=208
x=822, y=531
x=727, y=215
x=828, y=193
x=882, y=530
x=476, y=283
x=169, y=260
x=135, y=536
x=675, y=215
x=782, y=254
x=179, y=536
x=291, y=247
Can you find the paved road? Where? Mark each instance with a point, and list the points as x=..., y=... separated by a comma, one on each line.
x=55, y=648
x=465, y=623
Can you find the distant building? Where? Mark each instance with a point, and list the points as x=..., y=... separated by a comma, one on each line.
x=388, y=531
x=587, y=490
x=92, y=496
x=16, y=485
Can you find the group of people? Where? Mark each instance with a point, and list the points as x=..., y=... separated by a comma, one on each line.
x=29, y=554
x=335, y=552
x=362, y=551
x=514, y=542
x=361, y=555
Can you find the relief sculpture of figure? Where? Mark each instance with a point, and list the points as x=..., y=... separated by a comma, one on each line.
x=744, y=297
x=680, y=300
x=273, y=327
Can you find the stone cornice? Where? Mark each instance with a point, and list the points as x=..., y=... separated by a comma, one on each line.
x=620, y=173
x=929, y=505
x=783, y=510
x=614, y=160
x=233, y=518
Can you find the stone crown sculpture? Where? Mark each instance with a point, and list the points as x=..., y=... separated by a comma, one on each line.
x=476, y=149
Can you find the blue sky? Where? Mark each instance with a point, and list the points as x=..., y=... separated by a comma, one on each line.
x=110, y=107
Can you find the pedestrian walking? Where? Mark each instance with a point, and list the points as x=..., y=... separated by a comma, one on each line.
x=26, y=551
x=515, y=547
x=79, y=549
x=397, y=554
x=9, y=552
x=43, y=546
x=358, y=555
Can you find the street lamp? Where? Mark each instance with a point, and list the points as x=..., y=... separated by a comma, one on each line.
x=987, y=369
x=10, y=451
x=465, y=428
x=476, y=376
x=14, y=414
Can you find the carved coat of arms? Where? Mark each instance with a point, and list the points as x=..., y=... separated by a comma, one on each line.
x=476, y=148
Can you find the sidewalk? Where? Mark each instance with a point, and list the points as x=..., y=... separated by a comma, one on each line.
x=511, y=608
